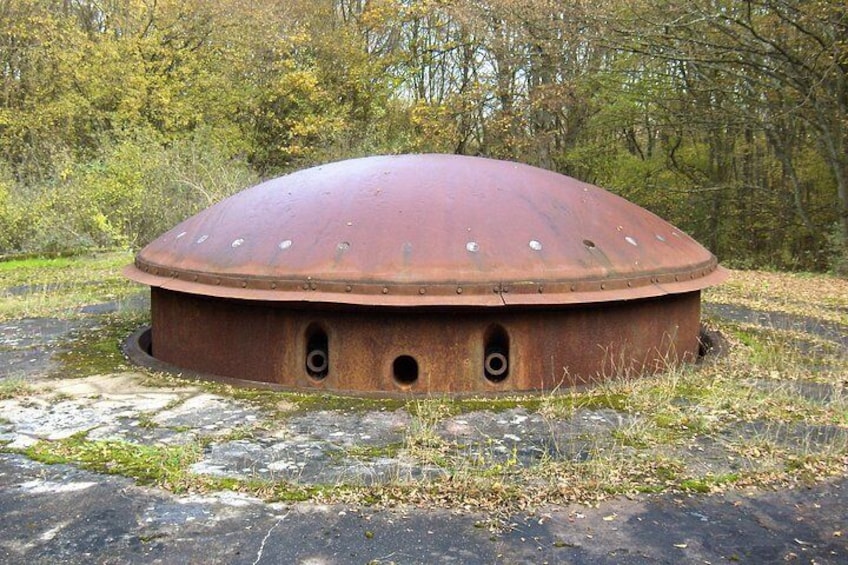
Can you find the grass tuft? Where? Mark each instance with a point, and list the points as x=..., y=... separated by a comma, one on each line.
x=14, y=387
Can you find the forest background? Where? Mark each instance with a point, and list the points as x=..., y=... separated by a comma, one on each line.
x=118, y=118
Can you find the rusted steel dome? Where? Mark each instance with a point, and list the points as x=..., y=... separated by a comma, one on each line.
x=426, y=259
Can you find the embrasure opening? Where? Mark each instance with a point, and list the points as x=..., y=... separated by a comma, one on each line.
x=496, y=354
x=405, y=369
x=317, y=352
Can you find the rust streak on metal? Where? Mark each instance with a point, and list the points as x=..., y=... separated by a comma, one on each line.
x=422, y=274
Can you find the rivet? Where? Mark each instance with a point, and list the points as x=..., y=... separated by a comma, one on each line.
x=496, y=289
x=385, y=290
x=348, y=288
x=629, y=284
x=572, y=288
x=217, y=281
x=175, y=275
x=305, y=286
x=540, y=290
x=244, y=284
x=195, y=278
x=603, y=286
x=459, y=290
x=677, y=278
x=273, y=285
x=147, y=269
x=422, y=290
x=155, y=271
x=313, y=286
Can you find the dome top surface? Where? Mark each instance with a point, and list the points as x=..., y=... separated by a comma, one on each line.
x=426, y=230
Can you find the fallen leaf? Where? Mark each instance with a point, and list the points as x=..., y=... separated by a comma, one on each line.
x=802, y=542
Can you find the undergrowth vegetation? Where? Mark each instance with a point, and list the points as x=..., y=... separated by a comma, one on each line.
x=119, y=118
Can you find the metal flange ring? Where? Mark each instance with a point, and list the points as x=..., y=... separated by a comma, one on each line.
x=316, y=361
x=496, y=364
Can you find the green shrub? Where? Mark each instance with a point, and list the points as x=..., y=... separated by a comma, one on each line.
x=137, y=188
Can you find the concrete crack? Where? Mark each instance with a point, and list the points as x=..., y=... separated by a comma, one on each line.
x=268, y=535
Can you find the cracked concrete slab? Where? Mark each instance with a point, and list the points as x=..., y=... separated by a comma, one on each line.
x=207, y=412
x=92, y=404
x=27, y=346
x=307, y=462
x=331, y=447
x=58, y=513
x=530, y=436
x=354, y=428
x=109, y=520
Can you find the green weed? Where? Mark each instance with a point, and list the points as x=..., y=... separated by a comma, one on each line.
x=14, y=387
x=163, y=466
x=98, y=350
x=709, y=483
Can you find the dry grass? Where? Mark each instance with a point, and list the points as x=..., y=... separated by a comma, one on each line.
x=773, y=410
x=37, y=288
x=803, y=294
